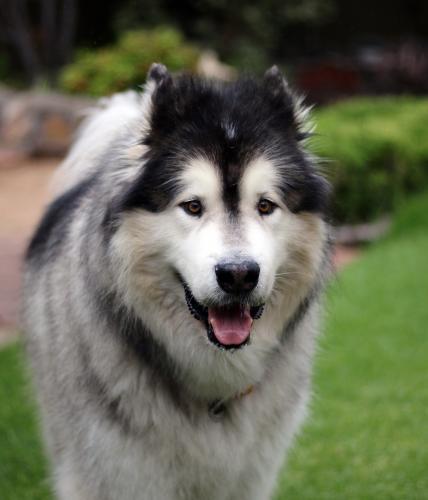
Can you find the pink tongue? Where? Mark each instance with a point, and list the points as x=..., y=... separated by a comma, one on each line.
x=230, y=326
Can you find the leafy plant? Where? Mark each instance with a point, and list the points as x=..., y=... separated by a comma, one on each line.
x=377, y=151
x=125, y=64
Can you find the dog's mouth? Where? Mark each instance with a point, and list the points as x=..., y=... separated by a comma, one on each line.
x=229, y=326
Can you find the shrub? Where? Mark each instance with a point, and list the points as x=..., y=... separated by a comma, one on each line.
x=125, y=64
x=377, y=150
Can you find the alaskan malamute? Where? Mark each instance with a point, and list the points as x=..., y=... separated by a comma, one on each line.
x=171, y=292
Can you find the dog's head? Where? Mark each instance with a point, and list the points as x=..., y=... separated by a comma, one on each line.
x=226, y=213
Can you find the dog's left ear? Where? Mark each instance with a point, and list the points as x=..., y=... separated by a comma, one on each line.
x=291, y=104
x=276, y=83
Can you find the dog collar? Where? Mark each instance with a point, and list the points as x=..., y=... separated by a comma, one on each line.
x=217, y=408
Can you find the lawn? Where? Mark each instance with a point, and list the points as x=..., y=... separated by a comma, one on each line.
x=367, y=436
x=22, y=465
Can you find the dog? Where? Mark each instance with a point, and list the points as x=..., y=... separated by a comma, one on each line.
x=172, y=292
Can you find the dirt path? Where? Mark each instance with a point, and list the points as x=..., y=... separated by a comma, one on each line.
x=23, y=194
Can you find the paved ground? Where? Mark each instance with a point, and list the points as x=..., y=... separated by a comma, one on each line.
x=23, y=194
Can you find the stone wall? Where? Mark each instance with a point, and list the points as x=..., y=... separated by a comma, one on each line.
x=36, y=123
x=39, y=124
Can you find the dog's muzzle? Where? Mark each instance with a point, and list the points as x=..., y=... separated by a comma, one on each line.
x=228, y=326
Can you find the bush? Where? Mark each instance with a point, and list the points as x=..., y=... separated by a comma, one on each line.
x=125, y=64
x=378, y=152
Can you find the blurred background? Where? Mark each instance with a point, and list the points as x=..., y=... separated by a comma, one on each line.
x=364, y=67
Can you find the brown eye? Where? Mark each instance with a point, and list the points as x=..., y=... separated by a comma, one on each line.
x=265, y=207
x=192, y=207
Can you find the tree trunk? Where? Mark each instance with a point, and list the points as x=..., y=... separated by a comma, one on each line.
x=68, y=27
x=16, y=17
x=49, y=28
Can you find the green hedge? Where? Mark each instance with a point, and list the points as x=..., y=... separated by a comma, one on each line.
x=125, y=64
x=377, y=152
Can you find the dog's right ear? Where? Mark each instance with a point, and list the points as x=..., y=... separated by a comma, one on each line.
x=157, y=102
x=159, y=75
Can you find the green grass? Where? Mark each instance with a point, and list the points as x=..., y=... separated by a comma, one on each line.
x=367, y=437
x=23, y=469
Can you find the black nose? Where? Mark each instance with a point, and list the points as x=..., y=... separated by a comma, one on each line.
x=237, y=277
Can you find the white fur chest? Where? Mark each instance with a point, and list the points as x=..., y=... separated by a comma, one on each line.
x=232, y=456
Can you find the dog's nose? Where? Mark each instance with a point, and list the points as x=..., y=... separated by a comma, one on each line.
x=237, y=277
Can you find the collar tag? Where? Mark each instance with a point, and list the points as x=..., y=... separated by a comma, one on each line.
x=244, y=393
x=218, y=407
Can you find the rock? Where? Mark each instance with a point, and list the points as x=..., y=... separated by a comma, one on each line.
x=362, y=233
x=209, y=66
x=39, y=124
x=36, y=123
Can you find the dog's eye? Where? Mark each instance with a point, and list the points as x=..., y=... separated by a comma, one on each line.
x=265, y=207
x=192, y=207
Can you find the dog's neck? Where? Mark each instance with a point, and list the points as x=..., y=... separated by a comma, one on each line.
x=165, y=370
x=218, y=407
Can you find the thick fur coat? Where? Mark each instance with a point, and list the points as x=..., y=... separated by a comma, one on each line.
x=171, y=294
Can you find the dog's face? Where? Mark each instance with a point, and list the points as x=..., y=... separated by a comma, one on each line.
x=226, y=211
x=227, y=241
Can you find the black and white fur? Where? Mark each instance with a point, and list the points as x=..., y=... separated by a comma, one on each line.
x=136, y=401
